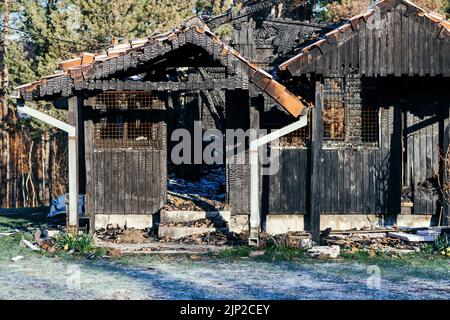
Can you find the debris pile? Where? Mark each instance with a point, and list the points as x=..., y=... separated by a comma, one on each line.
x=201, y=223
x=211, y=185
x=373, y=242
x=299, y=240
x=324, y=252
x=193, y=203
x=215, y=238
x=119, y=235
x=204, y=194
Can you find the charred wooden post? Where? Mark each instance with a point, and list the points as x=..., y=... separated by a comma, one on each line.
x=446, y=162
x=316, y=163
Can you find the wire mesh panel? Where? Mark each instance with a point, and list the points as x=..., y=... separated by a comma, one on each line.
x=127, y=132
x=370, y=125
x=126, y=100
x=297, y=138
x=127, y=120
x=334, y=110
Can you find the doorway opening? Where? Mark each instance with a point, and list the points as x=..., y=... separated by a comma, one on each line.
x=196, y=186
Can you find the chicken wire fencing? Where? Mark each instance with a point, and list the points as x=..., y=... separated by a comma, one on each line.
x=126, y=100
x=126, y=121
x=298, y=138
x=370, y=125
x=334, y=110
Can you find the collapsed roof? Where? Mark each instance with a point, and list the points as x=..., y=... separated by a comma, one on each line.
x=84, y=72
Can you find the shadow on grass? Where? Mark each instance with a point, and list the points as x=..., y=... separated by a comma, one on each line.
x=24, y=218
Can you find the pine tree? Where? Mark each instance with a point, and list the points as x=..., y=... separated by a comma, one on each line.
x=48, y=27
x=102, y=21
x=334, y=10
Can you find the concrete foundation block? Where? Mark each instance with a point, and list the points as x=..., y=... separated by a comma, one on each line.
x=344, y=222
x=136, y=221
x=239, y=223
x=169, y=217
x=181, y=232
x=284, y=223
x=414, y=220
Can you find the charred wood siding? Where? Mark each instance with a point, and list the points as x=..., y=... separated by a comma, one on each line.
x=399, y=41
x=238, y=172
x=125, y=180
x=362, y=178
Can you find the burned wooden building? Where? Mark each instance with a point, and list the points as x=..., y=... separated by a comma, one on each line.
x=374, y=90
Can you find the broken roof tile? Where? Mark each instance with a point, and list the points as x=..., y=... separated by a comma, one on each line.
x=82, y=67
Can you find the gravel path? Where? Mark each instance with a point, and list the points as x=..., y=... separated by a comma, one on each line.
x=41, y=277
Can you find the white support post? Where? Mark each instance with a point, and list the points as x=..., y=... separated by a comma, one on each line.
x=73, y=162
x=255, y=214
x=73, y=185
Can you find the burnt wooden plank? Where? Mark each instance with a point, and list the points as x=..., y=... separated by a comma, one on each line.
x=146, y=172
x=353, y=182
x=316, y=158
x=274, y=197
x=363, y=180
x=355, y=51
x=294, y=155
x=432, y=44
x=127, y=182
x=416, y=172
x=133, y=172
x=409, y=149
x=369, y=53
x=302, y=186
x=108, y=188
x=359, y=180
x=362, y=48
x=390, y=42
x=383, y=48
x=326, y=182
x=445, y=145
x=334, y=174
x=411, y=45
x=121, y=181
x=369, y=187
x=376, y=50
x=427, y=58
x=141, y=181
x=341, y=179
x=285, y=182
x=398, y=42
x=340, y=59
x=417, y=44
x=152, y=194
x=404, y=44
x=100, y=181
x=115, y=190
x=346, y=189
x=421, y=48
x=94, y=195
x=348, y=55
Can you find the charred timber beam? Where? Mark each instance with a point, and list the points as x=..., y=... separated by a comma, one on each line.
x=316, y=164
